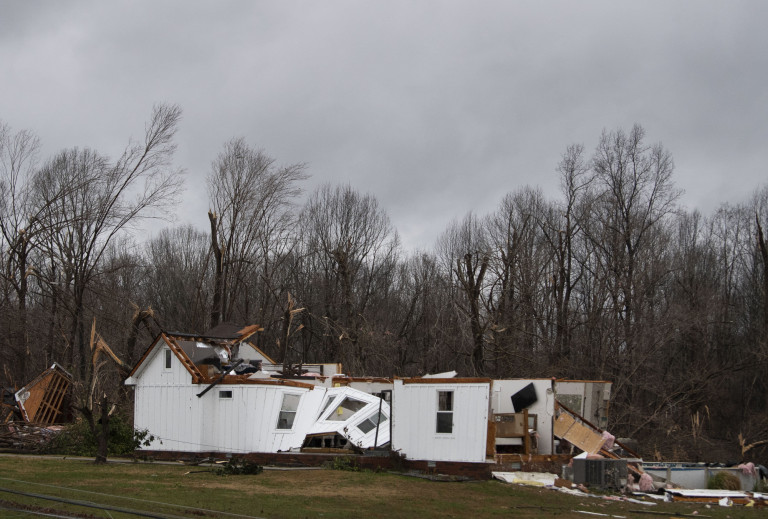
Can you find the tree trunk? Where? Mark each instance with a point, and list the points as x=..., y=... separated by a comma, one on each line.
x=218, y=257
x=472, y=287
x=764, y=255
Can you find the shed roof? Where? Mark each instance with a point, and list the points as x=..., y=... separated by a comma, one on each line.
x=44, y=400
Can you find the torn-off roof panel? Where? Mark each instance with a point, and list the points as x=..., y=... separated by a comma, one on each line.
x=45, y=400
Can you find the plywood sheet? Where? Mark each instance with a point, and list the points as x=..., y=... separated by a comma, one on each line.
x=567, y=428
x=562, y=424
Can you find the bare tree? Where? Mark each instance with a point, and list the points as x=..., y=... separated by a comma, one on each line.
x=18, y=225
x=95, y=397
x=178, y=279
x=417, y=315
x=252, y=218
x=521, y=303
x=464, y=250
x=629, y=232
x=108, y=200
x=561, y=233
x=354, y=248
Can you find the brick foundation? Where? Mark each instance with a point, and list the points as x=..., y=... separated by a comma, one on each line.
x=501, y=463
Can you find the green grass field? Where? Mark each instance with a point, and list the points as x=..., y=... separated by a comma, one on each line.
x=163, y=490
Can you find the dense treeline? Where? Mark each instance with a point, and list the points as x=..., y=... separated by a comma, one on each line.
x=612, y=280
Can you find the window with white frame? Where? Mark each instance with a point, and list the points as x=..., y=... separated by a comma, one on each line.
x=288, y=411
x=444, y=412
x=168, y=358
x=327, y=403
x=371, y=422
x=346, y=409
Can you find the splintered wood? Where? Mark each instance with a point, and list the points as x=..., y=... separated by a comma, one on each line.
x=567, y=428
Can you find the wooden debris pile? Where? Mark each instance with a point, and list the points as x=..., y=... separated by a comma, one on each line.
x=22, y=436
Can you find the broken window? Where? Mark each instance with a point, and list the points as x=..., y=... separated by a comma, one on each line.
x=168, y=357
x=327, y=403
x=370, y=423
x=347, y=408
x=288, y=411
x=445, y=412
x=225, y=394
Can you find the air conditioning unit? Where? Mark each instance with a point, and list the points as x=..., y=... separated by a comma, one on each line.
x=606, y=473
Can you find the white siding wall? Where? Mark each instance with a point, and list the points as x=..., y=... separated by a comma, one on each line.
x=415, y=419
x=166, y=404
x=248, y=422
x=544, y=408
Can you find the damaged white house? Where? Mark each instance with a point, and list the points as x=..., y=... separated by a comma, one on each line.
x=191, y=394
x=212, y=394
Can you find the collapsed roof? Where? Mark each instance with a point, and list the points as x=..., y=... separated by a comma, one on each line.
x=339, y=417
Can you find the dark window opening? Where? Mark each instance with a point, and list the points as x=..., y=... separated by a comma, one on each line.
x=444, y=412
x=288, y=411
x=369, y=424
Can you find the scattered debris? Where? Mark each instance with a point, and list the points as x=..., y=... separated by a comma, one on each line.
x=21, y=436
x=539, y=479
x=32, y=415
x=698, y=475
x=670, y=514
x=721, y=497
x=585, y=512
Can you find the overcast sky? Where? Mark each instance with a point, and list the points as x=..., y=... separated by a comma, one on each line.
x=436, y=108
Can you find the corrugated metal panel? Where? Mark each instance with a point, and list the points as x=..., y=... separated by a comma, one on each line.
x=415, y=433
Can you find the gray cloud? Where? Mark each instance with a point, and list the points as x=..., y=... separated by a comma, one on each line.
x=437, y=108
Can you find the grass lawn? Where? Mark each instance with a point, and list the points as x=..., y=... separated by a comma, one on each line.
x=168, y=489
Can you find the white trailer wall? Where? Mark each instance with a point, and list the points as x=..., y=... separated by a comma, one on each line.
x=166, y=404
x=247, y=422
x=414, y=425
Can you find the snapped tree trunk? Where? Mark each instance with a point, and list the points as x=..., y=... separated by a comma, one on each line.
x=218, y=258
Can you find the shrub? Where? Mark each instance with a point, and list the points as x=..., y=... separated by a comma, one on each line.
x=238, y=466
x=724, y=481
x=76, y=439
x=341, y=463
